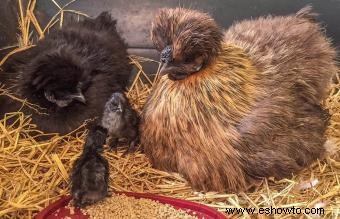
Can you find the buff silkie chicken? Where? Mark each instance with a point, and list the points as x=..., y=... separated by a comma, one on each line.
x=234, y=107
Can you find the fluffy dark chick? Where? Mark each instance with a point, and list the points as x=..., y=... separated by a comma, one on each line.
x=71, y=73
x=90, y=173
x=121, y=121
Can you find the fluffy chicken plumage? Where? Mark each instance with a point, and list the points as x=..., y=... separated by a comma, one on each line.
x=252, y=109
x=121, y=121
x=90, y=172
x=71, y=73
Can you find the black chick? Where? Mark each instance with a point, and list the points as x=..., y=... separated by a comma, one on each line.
x=71, y=73
x=90, y=173
x=121, y=121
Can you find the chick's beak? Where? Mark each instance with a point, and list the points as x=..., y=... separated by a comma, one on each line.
x=79, y=97
x=119, y=108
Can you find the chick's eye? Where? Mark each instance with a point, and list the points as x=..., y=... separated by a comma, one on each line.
x=84, y=84
x=80, y=85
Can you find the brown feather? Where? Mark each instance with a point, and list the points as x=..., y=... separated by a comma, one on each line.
x=253, y=111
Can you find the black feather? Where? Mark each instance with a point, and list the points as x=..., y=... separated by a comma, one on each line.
x=90, y=172
x=87, y=57
x=121, y=121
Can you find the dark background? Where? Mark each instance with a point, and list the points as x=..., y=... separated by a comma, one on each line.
x=134, y=16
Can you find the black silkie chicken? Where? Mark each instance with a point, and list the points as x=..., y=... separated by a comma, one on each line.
x=121, y=121
x=70, y=73
x=90, y=173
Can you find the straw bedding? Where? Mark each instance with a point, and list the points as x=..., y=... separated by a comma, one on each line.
x=34, y=174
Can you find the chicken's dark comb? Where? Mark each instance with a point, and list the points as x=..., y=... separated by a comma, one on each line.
x=166, y=54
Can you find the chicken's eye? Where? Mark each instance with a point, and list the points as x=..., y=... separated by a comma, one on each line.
x=189, y=59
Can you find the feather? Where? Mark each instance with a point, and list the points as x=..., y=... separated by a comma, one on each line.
x=253, y=109
x=90, y=172
x=71, y=73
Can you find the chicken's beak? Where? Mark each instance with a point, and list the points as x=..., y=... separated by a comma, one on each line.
x=162, y=69
x=165, y=58
x=79, y=97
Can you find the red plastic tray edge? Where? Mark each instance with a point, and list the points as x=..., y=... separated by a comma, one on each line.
x=162, y=199
x=53, y=207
